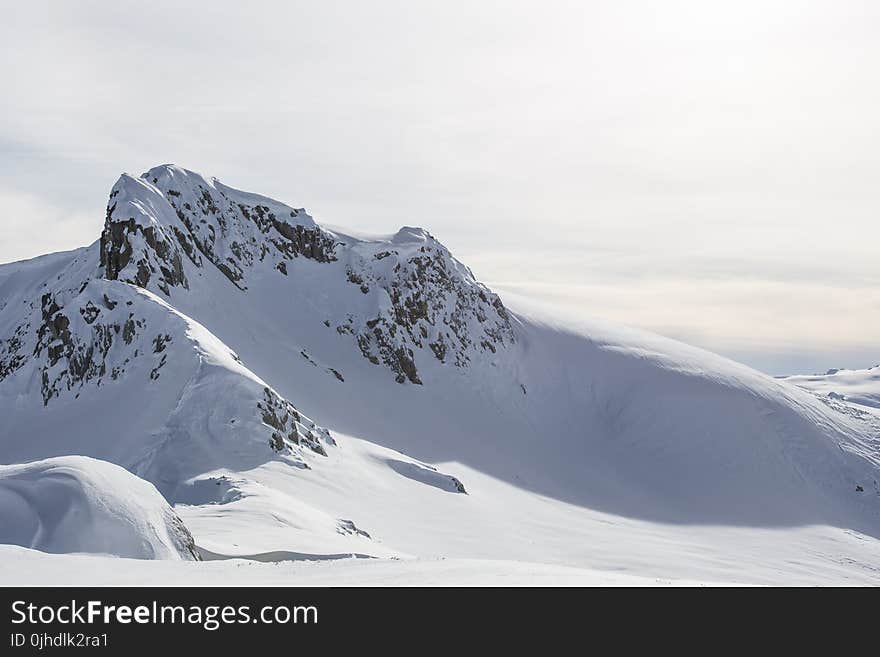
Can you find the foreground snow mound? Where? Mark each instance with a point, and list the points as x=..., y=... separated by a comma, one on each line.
x=80, y=504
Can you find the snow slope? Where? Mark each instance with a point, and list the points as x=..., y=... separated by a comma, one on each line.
x=187, y=343
x=79, y=504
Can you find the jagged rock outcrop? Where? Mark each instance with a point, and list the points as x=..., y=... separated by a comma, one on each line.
x=71, y=336
x=169, y=214
x=291, y=429
x=428, y=302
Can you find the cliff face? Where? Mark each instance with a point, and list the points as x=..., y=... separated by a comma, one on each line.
x=170, y=215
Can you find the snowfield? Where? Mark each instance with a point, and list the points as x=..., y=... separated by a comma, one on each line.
x=326, y=408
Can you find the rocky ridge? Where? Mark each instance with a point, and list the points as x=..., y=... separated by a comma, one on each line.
x=170, y=221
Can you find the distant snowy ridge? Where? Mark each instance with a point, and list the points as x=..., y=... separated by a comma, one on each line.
x=854, y=386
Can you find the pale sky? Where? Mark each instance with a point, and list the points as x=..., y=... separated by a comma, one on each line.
x=706, y=170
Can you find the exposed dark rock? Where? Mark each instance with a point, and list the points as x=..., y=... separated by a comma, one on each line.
x=287, y=423
x=159, y=343
x=154, y=373
x=117, y=250
x=348, y=527
x=439, y=349
x=67, y=360
x=311, y=243
x=12, y=355
x=434, y=304
x=129, y=330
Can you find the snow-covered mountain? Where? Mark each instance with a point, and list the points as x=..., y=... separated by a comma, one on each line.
x=298, y=392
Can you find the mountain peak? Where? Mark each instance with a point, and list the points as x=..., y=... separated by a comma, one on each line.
x=410, y=234
x=403, y=299
x=171, y=170
x=170, y=216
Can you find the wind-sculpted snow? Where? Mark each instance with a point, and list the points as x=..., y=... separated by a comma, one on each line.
x=79, y=504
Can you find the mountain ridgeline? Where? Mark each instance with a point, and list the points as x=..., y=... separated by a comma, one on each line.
x=170, y=222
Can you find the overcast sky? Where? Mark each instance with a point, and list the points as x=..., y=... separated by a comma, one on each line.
x=706, y=170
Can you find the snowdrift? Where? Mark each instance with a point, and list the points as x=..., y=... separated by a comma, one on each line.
x=80, y=504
